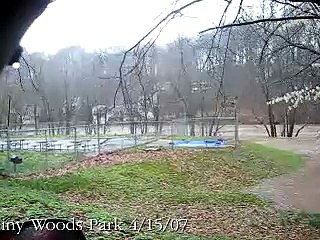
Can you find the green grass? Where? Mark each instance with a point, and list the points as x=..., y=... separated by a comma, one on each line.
x=141, y=182
x=23, y=203
x=311, y=219
x=35, y=161
x=173, y=181
x=20, y=203
x=198, y=181
x=266, y=162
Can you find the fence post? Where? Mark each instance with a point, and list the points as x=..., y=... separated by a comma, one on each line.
x=8, y=128
x=135, y=138
x=75, y=144
x=236, y=135
x=8, y=148
x=46, y=149
x=171, y=133
x=98, y=124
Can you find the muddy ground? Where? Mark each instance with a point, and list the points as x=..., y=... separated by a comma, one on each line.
x=299, y=190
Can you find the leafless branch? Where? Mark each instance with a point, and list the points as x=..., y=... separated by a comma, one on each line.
x=307, y=1
x=298, y=45
x=31, y=75
x=261, y=21
x=295, y=6
x=300, y=129
x=167, y=18
x=214, y=36
x=260, y=121
x=20, y=80
x=266, y=41
x=298, y=73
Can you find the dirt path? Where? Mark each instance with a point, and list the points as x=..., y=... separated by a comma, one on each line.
x=300, y=190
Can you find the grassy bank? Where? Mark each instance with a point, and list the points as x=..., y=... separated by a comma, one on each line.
x=202, y=186
x=34, y=161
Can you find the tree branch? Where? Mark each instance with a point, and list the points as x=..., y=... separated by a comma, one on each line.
x=165, y=20
x=300, y=129
x=298, y=73
x=260, y=121
x=295, y=7
x=307, y=1
x=261, y=21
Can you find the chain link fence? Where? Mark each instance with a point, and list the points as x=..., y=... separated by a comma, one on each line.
x=35, y=150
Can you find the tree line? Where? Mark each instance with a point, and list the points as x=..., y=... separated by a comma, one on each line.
x=187, y=78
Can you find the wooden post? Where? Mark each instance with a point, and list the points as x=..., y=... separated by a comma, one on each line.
x=98, y=134
x=46, y=148
x=8, y=127
x=202, y=112
x=236, y=122
x=35, y=118
x=75, y=143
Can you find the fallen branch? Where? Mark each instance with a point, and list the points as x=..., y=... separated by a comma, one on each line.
x=300, y=129
x=260, y=121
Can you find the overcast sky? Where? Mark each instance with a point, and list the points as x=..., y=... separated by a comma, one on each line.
x=95, y=24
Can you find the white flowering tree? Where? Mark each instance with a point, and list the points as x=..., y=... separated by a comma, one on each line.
x=287, y=57
x=293, y=100
x=297, y=97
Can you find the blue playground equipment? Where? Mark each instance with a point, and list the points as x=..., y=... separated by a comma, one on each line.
x=198, y=143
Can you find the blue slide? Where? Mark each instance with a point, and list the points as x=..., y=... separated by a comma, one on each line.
x=198, y=143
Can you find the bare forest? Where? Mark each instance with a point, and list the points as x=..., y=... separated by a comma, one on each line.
x=254, y=61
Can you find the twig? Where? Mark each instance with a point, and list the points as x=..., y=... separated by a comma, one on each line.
x=169, y=16
x=295, y=7
x=30, y=74
x=261, y=21
x=307, y=1
x=20, y=80
x=299, y=72
x=260, y=121
x=300, y=129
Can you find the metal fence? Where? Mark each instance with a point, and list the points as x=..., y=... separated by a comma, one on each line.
x=40, y=149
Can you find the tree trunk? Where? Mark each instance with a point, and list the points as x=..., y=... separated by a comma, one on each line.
x=285, y=129
x=273, y=129
x=156, y=118
x=20, y=119
x=105, y=122
x=146, y=122
x=35, y=116
x=68, y=121
x=9, y=112
x=192, y=128
x=132, y=128
x=212, y=123
x=291, y=122
x=202, y=110
x=98, y=122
